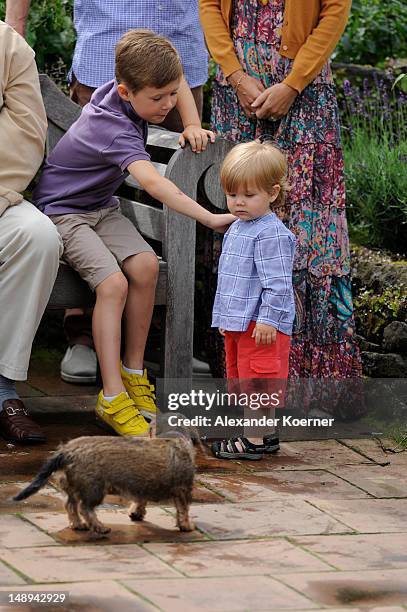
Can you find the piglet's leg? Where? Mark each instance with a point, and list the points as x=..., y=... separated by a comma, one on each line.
x=75, y=522
x=137, y=510
x=182, y=502
x=91, y=520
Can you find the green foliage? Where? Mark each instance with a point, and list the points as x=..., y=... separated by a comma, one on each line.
x=376, y=185
x=50, y=32
x=376, y=30
x=374, y=312
x=401, y=82
x=375, y=152
x=399, y=435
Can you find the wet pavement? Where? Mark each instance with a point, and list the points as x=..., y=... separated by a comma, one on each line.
x=321, y=525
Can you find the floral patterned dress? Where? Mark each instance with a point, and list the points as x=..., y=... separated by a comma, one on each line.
x=322, y=343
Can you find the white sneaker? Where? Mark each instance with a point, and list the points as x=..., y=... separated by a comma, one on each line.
x=79, y=364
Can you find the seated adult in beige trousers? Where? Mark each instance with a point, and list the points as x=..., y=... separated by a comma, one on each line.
x=29, y=243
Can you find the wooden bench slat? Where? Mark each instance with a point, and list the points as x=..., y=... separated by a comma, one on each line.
x=148, y=219
x=162, y=138
x=212, y=186
x=131, y=182
x=161, y=144
x=60, y=109
x=71, y=291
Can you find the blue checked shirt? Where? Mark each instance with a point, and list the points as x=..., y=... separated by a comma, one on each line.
x=255, y=276
x=100, y=23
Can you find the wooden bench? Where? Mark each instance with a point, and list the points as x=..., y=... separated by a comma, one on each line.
x=174, y=234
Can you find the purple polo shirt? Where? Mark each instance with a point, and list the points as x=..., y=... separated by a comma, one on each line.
x=90, y=161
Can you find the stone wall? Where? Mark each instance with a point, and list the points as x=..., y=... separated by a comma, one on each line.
x=380, y=298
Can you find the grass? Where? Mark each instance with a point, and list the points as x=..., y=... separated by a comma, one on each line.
x=376, y=186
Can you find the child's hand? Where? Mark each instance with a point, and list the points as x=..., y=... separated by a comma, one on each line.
x=220, y=223
x=264, y=334
x=197, y=137
x=221, y=331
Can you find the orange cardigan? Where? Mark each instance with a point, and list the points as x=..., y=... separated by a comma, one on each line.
x=311, y=31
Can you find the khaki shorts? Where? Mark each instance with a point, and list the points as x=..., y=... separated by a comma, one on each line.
x=97, y=243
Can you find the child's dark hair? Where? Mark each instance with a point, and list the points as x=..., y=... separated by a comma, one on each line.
x=146, y=59
x=256, y=164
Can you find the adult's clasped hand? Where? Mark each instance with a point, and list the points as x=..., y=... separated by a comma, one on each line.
x=274, y=102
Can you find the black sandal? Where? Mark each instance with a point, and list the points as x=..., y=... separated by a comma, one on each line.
x=227, y=449
x=271, y=444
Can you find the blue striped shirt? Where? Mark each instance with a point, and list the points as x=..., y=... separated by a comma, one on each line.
x=255, y=276
x=100, y=23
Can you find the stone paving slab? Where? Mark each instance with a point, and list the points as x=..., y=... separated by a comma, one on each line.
x=370, y=588
x=263, y=519
x=86, y=563
x=47, y=499
x=44, y=375
x=51, y=498
x=62, y=404
x=203, y=495
x=370, y=608
x=234, y=558
x=21, y=463
x=7, y=576
x=386, y=481
x=159, y=526
x=25, y=390
x=263, y=486
x=200, y=495
x=207, y=463
x=90, y=596
x=254, y=593
x=303, y=455
x=17, y=533
x=372, y=448
x=246, y=507
x=317, y=454
x=368, y=515
x=398, y=459
x=358, y=552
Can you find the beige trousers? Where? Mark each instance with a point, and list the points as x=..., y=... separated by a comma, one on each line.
x=30, y=248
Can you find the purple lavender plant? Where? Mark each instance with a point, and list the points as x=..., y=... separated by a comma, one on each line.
x=375, y=108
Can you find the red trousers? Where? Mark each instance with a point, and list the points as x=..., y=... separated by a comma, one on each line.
x=246, y=360
x=250, y=368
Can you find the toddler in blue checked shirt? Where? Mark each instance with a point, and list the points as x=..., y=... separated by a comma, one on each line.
x=254, y=303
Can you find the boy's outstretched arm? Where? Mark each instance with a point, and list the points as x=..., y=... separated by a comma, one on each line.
x=193, y=132
x=165, y=191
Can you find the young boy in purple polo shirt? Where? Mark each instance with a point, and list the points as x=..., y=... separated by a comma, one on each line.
x=76, y=189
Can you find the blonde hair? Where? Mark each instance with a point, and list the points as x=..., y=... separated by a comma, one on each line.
x=146, y=59
x=255, y=164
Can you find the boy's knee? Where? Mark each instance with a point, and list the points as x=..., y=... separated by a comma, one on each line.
x=143, y=269
x=114, y=287
x=151, y=266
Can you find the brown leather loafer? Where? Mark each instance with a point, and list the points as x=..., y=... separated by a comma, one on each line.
x=17, y=426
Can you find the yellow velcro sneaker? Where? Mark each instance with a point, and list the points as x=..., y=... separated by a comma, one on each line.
x=141, y=392
x=122, y=415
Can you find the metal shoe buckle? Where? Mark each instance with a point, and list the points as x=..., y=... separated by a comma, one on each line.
x=13, y=411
